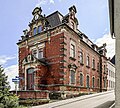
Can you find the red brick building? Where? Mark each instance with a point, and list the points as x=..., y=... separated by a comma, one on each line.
x=55, y=56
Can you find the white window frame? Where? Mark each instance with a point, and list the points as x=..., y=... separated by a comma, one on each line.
x=72, y=51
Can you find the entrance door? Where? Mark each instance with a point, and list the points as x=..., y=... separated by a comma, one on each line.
x=30, y=79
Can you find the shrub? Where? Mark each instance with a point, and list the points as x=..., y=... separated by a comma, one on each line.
x=32, y=102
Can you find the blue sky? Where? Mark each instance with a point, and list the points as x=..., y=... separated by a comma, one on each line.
x=15, y=16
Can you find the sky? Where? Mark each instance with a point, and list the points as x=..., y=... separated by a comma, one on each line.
x=15, y=16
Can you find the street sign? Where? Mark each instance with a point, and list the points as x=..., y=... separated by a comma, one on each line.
x=15, y=80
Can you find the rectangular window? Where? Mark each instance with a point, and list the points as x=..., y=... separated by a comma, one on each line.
x=34, y=52
x=87, y=61
x=39, y=29
x=81, y=57
x=93, y=63
x=72, y=51
x=72, y=80
x=81, y=79
x=35, y=31
x=40, y=53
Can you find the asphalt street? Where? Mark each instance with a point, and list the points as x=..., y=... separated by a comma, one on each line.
x=102, y=100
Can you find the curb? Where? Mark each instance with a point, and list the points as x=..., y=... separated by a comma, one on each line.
x=88, y=96
x=112, y=105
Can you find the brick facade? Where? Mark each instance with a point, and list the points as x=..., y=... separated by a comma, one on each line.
x=60, y=69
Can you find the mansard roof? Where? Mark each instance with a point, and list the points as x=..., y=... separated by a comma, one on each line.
x=55, y=19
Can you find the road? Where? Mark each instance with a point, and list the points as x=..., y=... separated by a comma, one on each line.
x=99, y=100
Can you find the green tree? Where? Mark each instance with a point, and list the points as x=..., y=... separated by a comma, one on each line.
x=7, y=100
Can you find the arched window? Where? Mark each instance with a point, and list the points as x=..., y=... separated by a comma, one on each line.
x=98, y=82
x=81, y=79
x=104, y=83
x=87, y=81
x=30, y=78
x=93, y=82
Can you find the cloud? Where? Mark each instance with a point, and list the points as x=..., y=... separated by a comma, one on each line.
x=110, y=44
x=4, y=59
x=52, y=1
x=44, y=2
x=41, y=2
x=60, y=0
x=11, y=72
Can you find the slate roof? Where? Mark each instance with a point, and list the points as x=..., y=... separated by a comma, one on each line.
x=55, y=19
x=113, y=60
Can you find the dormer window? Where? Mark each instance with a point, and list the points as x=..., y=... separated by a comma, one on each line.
x=39, y=29
x=35, y=31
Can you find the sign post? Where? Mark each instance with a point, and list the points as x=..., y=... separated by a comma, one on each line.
x=16, y=81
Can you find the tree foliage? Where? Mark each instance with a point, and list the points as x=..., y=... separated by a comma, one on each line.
x=7, y=100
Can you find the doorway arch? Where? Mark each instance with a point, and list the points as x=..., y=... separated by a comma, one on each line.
x=30, y=78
